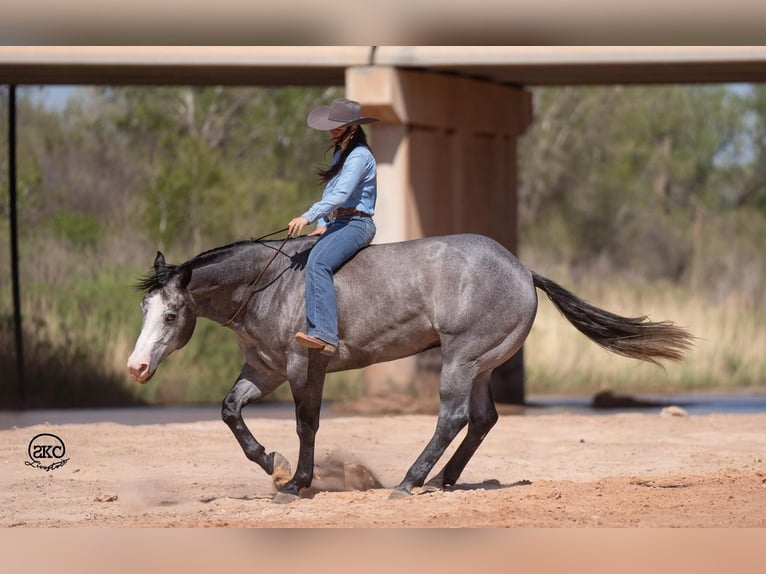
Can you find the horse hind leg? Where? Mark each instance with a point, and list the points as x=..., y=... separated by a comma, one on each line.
x=482, y=412
x=455, y=393
x=482, y=417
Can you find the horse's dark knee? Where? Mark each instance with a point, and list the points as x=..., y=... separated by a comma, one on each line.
x=230, y=413
x=453, y=422
x=307, y=429
x=487, y=421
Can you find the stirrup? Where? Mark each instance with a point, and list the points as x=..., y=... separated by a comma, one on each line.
x=311, y=342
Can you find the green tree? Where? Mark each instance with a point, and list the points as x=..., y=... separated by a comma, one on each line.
x=219, y=164
x=619, y=173
x=752, y=191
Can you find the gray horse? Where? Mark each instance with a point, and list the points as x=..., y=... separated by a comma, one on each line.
x=466, y=294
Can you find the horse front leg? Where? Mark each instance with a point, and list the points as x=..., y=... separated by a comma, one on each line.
x=250, y=387
x=306, y=379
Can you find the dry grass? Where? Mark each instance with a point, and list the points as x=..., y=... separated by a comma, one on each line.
x=728, y=351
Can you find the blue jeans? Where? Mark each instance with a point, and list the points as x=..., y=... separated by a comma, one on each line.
x=343, y=238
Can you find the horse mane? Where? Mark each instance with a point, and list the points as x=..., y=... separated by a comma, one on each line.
x=157, y=279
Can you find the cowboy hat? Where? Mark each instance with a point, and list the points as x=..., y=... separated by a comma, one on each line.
x=339, y=114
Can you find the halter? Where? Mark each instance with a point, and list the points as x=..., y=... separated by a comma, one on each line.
x=251, y=286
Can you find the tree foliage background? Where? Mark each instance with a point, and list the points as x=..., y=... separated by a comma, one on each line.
x=658, y=182
x=651, y=184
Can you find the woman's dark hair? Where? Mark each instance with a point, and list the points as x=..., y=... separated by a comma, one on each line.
x=357, y=138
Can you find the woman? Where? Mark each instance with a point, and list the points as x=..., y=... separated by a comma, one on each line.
x=343, y=216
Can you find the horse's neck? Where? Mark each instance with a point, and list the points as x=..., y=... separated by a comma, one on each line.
x=223, y=288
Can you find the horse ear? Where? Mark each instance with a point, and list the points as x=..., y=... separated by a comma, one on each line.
x=185, y=277
x=159, y=262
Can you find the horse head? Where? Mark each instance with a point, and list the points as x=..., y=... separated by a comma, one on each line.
x=169, y=318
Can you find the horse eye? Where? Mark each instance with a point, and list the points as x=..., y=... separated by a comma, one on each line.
x=170, y=317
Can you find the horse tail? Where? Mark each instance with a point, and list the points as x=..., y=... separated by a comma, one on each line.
x=633, y=337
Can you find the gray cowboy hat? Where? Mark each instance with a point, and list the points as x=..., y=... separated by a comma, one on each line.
x=339, y=114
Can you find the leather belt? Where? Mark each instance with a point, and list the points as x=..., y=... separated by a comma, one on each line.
x=349, y=212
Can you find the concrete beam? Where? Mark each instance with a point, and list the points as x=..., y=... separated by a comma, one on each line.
x=585, y=65
x=325, y=65
x=192, y=65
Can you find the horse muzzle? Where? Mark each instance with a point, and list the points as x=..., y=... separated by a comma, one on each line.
x=140, y=371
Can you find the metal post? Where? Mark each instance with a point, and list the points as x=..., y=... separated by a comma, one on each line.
x=18, y=332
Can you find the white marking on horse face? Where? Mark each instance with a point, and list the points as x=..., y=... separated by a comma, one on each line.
x=151, y=345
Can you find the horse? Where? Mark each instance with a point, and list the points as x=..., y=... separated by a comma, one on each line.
x=465, y=294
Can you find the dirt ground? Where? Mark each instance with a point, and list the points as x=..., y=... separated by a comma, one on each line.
x=549, y=470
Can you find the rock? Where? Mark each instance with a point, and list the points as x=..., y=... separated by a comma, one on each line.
x=610, y=400
x=673, y=411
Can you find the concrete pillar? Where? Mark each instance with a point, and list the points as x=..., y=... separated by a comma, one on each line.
x=446, y=153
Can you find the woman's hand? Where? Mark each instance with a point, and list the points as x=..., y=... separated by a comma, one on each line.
x=296, y=225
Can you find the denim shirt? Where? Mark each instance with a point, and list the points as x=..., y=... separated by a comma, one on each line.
x=356, y=186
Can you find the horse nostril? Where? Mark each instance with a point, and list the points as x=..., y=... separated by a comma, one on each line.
x=139, y=371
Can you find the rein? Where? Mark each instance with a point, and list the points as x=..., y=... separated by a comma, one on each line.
x=252, y=285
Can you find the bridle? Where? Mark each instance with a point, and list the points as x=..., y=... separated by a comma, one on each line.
x=254, y=282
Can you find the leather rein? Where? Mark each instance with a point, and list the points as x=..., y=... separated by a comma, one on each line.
x=254, y=282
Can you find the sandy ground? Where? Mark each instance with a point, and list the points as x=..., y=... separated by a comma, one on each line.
x=551, y=470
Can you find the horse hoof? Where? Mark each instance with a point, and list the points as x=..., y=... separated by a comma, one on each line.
x=281, y=473
x=284, y=498
x=399, y=493
x=436, y=483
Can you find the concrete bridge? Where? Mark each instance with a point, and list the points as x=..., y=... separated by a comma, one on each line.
x=451, y=117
